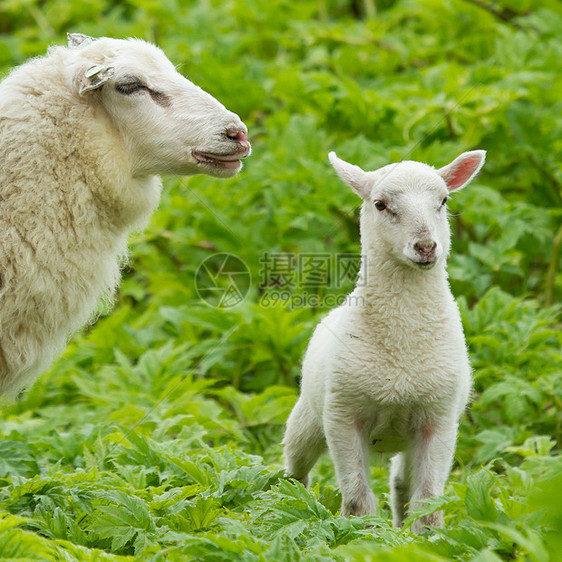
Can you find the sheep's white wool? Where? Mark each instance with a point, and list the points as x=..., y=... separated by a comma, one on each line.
x=83, y=131
x=389, y=367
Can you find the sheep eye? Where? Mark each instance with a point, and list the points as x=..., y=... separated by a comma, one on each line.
x=444, y=202
x=129, y=88
x=380, y=205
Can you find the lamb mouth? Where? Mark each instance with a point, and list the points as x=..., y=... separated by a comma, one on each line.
x=424, y=264
x=218, y=160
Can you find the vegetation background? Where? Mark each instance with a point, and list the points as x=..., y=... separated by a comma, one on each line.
x=157, y=435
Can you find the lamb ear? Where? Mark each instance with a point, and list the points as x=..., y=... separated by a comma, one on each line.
x=79, y=40
x=462, y=169
x=95, y=77
x=354, y=176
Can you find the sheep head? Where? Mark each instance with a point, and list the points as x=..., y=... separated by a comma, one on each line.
x=169, y=125
x=404, y=213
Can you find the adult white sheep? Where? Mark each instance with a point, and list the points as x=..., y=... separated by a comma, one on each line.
x=83, y=132
x=390, y=366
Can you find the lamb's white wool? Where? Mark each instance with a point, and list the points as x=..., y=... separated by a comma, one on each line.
x=83, y=132
x=390, y=366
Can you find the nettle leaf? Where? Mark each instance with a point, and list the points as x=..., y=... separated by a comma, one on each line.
x=289, y=509
x=167, y=501
x=461, y=535
x=478, y=500
x=372, y=552
x=528, y=540
x=45, y=492
x=536, y=446
x=271, y=406
x=17, y=544
x=16, y=458
x=126, y=522
x=243, y=482
x=284, y=549
x=196, y=515
x=196, y=473
x=494, y=441
x=428, y=506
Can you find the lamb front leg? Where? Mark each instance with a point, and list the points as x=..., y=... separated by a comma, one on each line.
x=348, y=444
x=432, y=457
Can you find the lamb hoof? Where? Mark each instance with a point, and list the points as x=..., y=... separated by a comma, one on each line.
x=425, y=523
x=305, y=480
x=359, y=506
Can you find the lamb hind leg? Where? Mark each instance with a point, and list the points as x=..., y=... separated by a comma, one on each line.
x=3, y=369
x=399, y=488
x=349, y=446
x=304, y=442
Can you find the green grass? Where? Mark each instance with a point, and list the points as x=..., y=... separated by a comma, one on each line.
x=156, y=436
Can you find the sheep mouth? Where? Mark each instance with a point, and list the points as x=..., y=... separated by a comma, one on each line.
x=229, y=161
x=424, y=264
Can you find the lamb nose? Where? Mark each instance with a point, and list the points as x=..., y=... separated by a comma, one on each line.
x=425, y=248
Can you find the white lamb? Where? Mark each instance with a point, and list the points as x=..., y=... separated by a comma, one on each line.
x=83, y=132
x=390, y=366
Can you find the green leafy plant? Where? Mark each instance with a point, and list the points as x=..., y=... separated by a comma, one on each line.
x=156, y=436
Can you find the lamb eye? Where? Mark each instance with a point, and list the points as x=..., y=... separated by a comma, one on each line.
x=128, y=88
x=444, y=202
x=380, y=205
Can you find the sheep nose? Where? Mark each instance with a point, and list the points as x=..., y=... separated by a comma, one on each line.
x=425, y=248
x=238, y=135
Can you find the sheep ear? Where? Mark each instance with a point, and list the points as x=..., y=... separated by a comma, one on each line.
x=354, y=176
x=79, y=40
x=95, y=77
x=462, y=169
